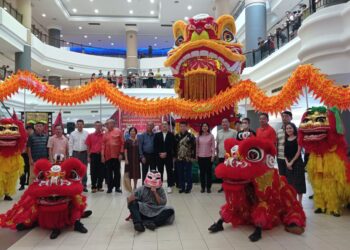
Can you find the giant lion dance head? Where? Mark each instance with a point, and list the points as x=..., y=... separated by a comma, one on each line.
x=321, y=130
x=12, y=137
x=206, y=58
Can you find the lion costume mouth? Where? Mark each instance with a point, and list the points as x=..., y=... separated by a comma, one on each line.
x=9, y=140
x=315, y=134
x=53, y=200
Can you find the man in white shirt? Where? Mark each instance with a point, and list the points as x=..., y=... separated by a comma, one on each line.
x=225, y=133
x=78, y=148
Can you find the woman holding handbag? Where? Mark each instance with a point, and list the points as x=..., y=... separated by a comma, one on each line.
x=132, y=160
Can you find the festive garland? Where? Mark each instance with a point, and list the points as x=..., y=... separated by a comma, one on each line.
x=303, y=76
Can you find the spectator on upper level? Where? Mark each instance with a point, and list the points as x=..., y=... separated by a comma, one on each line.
x=114, y=78
x=120, y=81
x=100, y=74
x=93, y=77
x=109, y=77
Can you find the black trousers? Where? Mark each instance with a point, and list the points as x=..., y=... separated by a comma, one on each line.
x=113, y=173
x=97, y=171
x=205, y=172
x=160, y=220
x=169, y=165
x=149, y=165
x=82, y=156
x=282, y=167
x=25, y=176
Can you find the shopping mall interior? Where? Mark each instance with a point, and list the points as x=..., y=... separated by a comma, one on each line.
x=121, y=71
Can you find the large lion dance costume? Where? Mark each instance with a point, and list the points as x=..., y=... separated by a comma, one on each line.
x=206, y=59
x=53, y=201
x=255, y=193
x=321, y=133
x=12, y=142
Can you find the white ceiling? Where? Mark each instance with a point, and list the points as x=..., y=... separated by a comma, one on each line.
x=113, y=15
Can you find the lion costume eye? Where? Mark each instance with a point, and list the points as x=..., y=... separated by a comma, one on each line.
x=179, y=40
x=228, y=36
x=73, y=175
x=255, y=155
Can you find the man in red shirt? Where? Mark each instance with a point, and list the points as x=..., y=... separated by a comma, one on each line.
x=112, y=153
x=97, y=168
x=266, y=131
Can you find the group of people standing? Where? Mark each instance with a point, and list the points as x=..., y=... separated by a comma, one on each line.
x=106, y=147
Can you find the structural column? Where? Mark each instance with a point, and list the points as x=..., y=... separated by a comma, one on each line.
x=131, y=62
x=55, y=81
x=222, y=7
x=54, y=36
x=255, y=23
x=23, y=59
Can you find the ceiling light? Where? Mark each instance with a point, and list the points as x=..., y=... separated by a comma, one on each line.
x=91, y=0
x=96, y=11
x=152, y=1
x=129, y=1
x=74, y=10
x=80, y=27
x=48, y=70
x=155, y=45
x=131, y=12
x=152, y=12
x=186, y=18
x=109, y=37
x=5, y=8
x=67, y=43
x=189, y=7
x=82, y=74
x=112, y=44
x=89, y=43
x=156, y=37
x=85, y=36
x=43, y=15
x=61, y=35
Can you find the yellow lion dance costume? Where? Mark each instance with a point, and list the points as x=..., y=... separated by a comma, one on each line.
x=321, y=134
x=12, y=142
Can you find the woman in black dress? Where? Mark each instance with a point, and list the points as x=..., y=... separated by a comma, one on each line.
x=295, y=166
x=132, y=157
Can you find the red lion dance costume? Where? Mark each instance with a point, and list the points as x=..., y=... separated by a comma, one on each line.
x=255, y=193
x=321, y=133
x=12, y=142
x=53, y=201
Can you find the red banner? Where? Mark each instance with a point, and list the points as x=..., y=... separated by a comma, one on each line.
x=139, y=122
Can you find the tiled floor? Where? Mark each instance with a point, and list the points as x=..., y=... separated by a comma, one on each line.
x=194, y=213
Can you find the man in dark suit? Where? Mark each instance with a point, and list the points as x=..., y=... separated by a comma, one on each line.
x=164, y=148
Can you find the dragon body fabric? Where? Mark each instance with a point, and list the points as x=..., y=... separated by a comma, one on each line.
x=255, y=193
x=206, y=59
x=321, y=134
x=12, y=142
x=53, y=201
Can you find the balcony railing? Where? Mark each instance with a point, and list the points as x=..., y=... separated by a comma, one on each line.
x=13, y=12
x=285, y=31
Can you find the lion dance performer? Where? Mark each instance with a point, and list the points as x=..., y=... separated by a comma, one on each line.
x=321, y=133
x=12, y=142
x=255, y=193
x=53, y=201
x=206, y=60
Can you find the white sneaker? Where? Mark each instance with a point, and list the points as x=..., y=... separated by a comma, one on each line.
x=169, y=190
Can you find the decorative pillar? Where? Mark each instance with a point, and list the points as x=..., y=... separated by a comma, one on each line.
x=25, y=8
x=54, y=37
x=131, y=62
x=255, y=23
x=23, y=59
x=55, y=81
x=222, y=7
